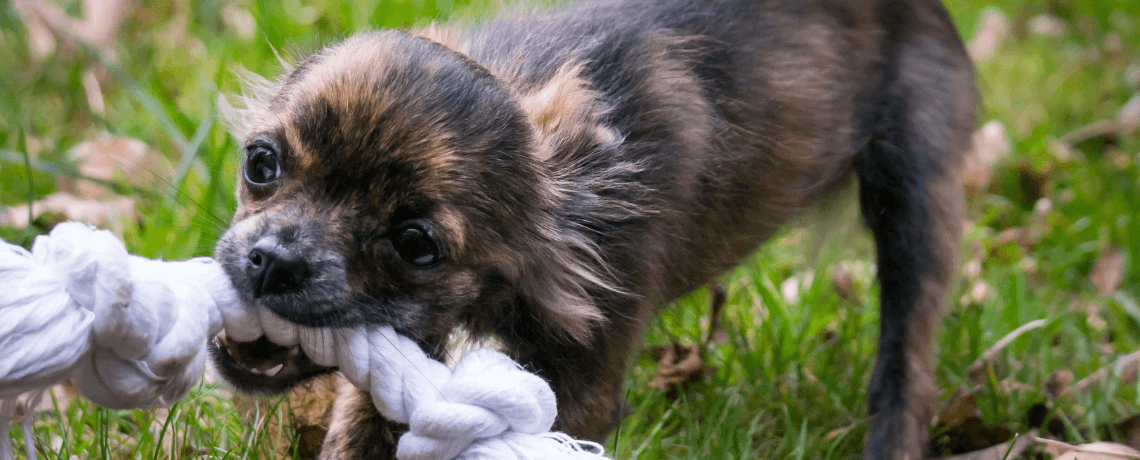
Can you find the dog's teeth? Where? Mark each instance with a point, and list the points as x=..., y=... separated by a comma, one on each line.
x=271, y=372
x=295, y=351
x=319, y=345
x=277, y=329
x=252, y=370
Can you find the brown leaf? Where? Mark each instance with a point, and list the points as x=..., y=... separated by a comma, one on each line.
x=1019, y=235
x=716, y=335
x=1105, y=274
x=311, y=406
x=1128, y=364
x=790, y=288
x=1129, y=115
x=1059, y=382
x=109, y=213
x=844, y=285
x=1092, y=451
x=679, y=367
x=1047, y=25
x=1003, y=451
x=963, y=406
x=108, y=156
x=990, y=145
x=46, y=22
x=970, y=435
x=1129, y=430
x=993, y=28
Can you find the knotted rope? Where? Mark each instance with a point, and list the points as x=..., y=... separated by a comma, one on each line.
x=131, y=332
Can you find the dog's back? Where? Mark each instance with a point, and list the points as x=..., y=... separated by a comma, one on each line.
x=736, y=116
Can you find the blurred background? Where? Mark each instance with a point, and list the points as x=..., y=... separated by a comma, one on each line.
x=108, y=115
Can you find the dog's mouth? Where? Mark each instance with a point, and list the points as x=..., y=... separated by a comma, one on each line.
x=262, y=367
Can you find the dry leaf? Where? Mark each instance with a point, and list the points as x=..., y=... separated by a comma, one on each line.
x=108, y=156
x=978, y=293
x=790, y=288
x=844, y=285
x=1129, y=431
x=1105, y=274
x=1001, y=451
x=1020, y=236
x=993, y=27
x=1132, y=74
x=1059, y=382
x=716, y=335
x=241, y=22
x=1047, y=25
x=990, y=145
x=101, y=213
x=46, y=22
x=311, y=405
x=679, y=367
x=1091, y=451
x=1129, y=115
x=1128, y=364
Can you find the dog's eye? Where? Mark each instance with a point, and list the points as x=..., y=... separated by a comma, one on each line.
x=262, y=165
x=414, y=243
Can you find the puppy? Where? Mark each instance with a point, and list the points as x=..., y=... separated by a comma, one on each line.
x=552, y=179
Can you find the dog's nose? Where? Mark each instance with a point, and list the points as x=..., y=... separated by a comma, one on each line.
x=274, y=269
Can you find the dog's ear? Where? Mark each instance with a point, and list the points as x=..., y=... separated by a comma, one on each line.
x=566, y=113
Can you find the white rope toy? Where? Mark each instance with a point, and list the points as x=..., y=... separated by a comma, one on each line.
x=131, y=332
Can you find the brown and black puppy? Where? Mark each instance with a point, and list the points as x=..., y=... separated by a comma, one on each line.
x=551, y=180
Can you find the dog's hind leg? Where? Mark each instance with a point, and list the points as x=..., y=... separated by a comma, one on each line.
x=911, y=198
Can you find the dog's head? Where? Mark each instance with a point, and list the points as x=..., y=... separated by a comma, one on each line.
x=391, y=180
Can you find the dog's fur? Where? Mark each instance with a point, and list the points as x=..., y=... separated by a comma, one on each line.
x=566, y=174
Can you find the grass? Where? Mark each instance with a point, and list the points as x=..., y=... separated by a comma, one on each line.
x=789, y=382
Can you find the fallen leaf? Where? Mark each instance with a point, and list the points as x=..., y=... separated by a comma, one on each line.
x=970, y=435
x=1105, y=274
x=1132, y=74
x=993, y=27
x=110, y=213
x=47, y=22
x=1129, y=431
x=1039, y=418
x=790, y=288
x=842, y=280
x=241, y=22
x=1059, y=382
x=679, y=367
x=1128, y=365
x=716, y=335
x=1002, y=451
x=1033, y=182
x=963, y=405
x=1129, y=115
x=310, y=406
x=1102, y=450
x=1047, y=25
x=979, y=291
x=108, y=156
x=990, y=144
x=1019, y=235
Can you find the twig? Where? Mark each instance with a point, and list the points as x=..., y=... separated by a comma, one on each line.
x=976, y=369
x=1128, y=364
